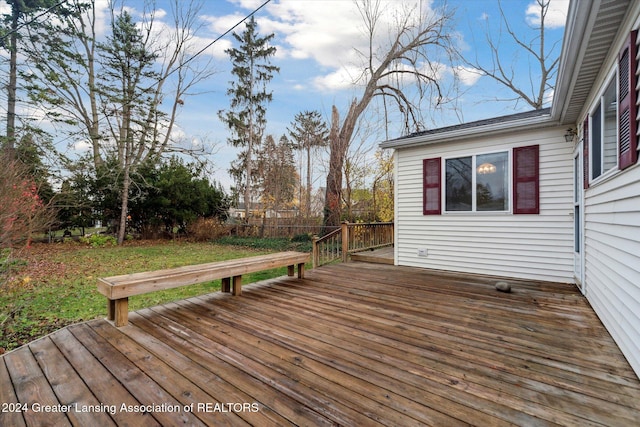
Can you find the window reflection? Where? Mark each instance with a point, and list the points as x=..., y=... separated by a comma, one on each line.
x=492, y=183
x=459, y=184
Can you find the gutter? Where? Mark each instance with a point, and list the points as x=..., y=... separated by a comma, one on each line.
x=476, y=131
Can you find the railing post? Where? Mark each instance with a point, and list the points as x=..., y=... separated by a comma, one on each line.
x=345, y=241
x=315, y=253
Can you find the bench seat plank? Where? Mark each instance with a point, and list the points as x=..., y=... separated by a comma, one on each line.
x=119, y=288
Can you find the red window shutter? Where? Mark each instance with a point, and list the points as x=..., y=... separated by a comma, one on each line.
x=526, y=180
x=627, y=105
x=585, y=153
x=431, y=189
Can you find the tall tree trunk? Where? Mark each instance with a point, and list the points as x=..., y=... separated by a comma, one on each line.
x=308, y=209
x=333, y=195
x=339, y=140
x=13, y=82
x=250, y=144
x=124, y=206
x=247, y=186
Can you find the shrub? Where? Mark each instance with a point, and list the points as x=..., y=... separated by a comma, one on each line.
x=206, y=229
x=306, y=237
x=22, y=211
x=99, y=240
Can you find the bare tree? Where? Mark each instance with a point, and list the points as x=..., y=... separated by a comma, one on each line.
x=544, y=58
x=383, y=186
x=403, y=71
x=356, y=170
x=132, y=118
x=308, y=132
x=277, y=176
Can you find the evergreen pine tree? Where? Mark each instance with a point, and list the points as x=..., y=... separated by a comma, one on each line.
x=249, y=96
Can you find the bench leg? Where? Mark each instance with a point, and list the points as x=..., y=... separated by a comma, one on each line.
x=226, y=284
x=237, y=285
x=118, y=311
x=290, y=270
x=301, y=270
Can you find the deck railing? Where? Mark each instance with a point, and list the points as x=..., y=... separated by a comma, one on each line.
x=351, y=238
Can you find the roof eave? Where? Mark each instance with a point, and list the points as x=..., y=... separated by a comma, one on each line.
x=580, y=21
x=486, y=130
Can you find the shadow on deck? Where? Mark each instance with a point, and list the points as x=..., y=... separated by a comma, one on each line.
x=351, y=344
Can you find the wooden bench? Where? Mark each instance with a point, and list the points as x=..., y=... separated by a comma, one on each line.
x=118, y=289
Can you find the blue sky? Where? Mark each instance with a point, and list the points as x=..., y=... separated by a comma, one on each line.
x=316, y=40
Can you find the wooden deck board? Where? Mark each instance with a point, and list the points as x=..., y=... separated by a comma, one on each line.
x=350, y=344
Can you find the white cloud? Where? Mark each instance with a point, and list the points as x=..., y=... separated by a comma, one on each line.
x=556, y=15
x=5, y=9
x=466, y=75
x=548, y=97
x=220, y=24
x=332, y=34
x=303, y=30
x=81, y=146
x=342, y=78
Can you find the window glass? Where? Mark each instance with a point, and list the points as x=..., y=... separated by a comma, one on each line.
x=492, y=182
x=477, y=183
x=604, y=132
x=459, y=184
x=596, y=143
x=610, y=128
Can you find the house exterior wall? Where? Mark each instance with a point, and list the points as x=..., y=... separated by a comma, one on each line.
x=612, y=258
x=538, y=246
x=612, y=239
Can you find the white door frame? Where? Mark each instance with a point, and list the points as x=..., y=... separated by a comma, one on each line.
x=578, y=218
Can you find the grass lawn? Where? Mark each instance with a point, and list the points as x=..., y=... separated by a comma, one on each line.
x=57, y=284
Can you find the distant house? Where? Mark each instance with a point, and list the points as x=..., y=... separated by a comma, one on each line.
x=549, y=195
x=258, y=211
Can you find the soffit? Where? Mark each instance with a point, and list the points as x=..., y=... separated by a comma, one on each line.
x=607, y=21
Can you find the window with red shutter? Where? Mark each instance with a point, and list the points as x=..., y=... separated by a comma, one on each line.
x=431, y=191
x=627, y=105
x=526, y=185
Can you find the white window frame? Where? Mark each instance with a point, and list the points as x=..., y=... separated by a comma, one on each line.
x=474, y=156
x=612, y=77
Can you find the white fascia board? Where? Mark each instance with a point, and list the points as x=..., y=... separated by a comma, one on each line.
x=581, y=18
x=476, y=131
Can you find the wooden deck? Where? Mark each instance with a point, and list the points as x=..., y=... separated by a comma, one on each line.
x=351, y=344
x=376, y=256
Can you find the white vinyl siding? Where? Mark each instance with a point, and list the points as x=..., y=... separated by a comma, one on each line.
x=537, y=246
x=612, y=243
x=612, y=258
